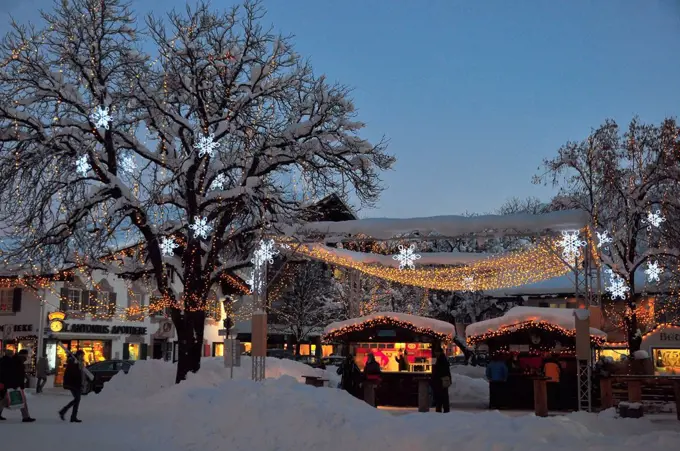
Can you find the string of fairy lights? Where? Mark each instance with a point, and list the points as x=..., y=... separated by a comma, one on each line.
x=507, y=329
x=384, y=320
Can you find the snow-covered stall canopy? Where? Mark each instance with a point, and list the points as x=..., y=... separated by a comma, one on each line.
x=444, y=226
x=561, y=321
x=430, y=327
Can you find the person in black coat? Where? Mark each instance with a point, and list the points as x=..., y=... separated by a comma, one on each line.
x=13, y=377
x=351, y=376
x=73, y=381
x=440, y=382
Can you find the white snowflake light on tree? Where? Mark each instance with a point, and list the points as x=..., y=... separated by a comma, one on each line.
x=262, y=255
x=603, y=239
x=406, y=257
x=100, y=117
x=83, y=165
x=653, y=271
x=168, y=246
x=206, y=145
x=127, y=163
x=571, y=245
x=654, y=219
x=218, y=182
x=617, y=286
x=201, y=227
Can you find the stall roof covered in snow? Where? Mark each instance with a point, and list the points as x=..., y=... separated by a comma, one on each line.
x=562, y=317
x=449, y=226
x=419, y=322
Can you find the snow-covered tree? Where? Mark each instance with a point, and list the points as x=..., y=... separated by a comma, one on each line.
x=623, y=181
x=466, y=307
x=182, y=157
x=309, y=303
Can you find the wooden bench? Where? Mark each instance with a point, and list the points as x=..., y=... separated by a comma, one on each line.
x=634, y=389
x=315, y=381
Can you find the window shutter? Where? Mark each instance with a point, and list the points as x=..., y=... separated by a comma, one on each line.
x=63, y=301
x=126, y=351
x=112, y=303
x=143, y=351
x=85, y=302
x=16, y=300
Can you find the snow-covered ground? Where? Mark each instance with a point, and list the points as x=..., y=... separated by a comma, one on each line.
x=145, y=411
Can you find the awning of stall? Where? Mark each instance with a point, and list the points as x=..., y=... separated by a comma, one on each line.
x=439, y=330
x=518, y=318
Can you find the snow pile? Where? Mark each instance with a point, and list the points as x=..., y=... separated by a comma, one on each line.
x=468, y=391
x=641, y=355
x=150, y=377
x=282, y=414
x=562, y=317
x=421, y=322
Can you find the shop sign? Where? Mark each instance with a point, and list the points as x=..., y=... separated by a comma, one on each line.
x=57, y=324
x=8, y=331
x=669, y=336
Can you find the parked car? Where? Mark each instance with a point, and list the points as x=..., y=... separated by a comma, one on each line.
x=280, y=354
x=311, y=361
x=457, y=360
x=334, y=360
x=103, y=372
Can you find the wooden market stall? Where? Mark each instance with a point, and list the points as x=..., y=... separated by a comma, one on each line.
x=388, y=336
x=526, y=339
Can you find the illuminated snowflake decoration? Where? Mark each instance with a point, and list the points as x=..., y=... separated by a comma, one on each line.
x=406, y=257
x=100, y=117
x=653, y=271
x=617, y=286
x=603, y=239
x=468, y=282
x=654, y=219
x=206, y=145
x=83, y=166
x=127, y=164
x=218, y=182
x=571, y=244
x=168, y=246
x=201, y=227
x=262, y=255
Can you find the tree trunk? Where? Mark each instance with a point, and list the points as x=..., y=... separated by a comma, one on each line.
x=634, y=340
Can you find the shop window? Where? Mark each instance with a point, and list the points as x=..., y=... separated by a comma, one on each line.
x=135, y=304
x=666, y=361
x=6, y=300
x=157, y=307
x=213, y=308
x=218, y=349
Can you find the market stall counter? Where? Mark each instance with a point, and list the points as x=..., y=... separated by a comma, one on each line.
x=401, y=344
x=528, y=344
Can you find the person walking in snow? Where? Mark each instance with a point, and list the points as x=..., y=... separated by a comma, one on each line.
x=441, y=381
x=73, y=381
x=41, y=374
x=13, y=377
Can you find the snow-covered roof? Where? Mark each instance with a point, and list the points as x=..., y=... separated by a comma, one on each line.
x=562, y=317
x=565, y=285
x=449, y=226
x=419, y=322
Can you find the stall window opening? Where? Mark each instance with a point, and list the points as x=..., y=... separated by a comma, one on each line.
x=73, y=299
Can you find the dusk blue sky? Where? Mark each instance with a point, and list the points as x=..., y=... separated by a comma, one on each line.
x=473, y=95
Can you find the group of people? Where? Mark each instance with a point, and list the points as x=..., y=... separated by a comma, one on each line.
x=13, y=377
x=440, y=381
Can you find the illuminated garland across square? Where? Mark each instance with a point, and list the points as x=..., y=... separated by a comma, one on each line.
x=335, y=334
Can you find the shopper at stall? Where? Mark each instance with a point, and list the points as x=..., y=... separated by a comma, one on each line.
x=440, y=382
x=351, y=376
x=41, y=374
x=73, y=381
x=497, y=375
x=13, y=377
x=552, y=371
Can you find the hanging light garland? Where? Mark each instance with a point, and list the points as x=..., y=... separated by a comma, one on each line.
x=528, y=325
x=336, y=334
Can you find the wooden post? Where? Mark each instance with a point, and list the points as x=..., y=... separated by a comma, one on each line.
x=369, y=393
x=423, y=396
x=540, y=398
x=606, y=393
x=634, y=391
x=676, y=389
